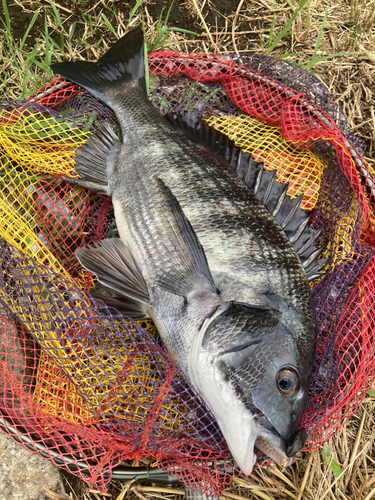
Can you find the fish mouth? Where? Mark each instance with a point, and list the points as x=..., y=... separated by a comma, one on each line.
x=257, y=432
x=272, y=452
x=270, y=442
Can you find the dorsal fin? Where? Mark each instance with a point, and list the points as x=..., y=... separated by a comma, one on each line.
x=95, y=158
x=262, y=183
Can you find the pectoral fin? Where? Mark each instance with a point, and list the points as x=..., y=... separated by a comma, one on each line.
x=186, y=268
x=125, y=305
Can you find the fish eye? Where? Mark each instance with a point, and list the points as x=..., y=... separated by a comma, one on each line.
x=288, y=381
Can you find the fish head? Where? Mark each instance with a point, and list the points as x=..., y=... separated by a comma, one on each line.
x=254, y=374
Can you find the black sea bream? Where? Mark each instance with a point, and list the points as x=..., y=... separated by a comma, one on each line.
x=203, y=257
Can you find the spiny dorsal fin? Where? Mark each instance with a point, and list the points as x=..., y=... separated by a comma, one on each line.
x=116, y=269
x=262, y=183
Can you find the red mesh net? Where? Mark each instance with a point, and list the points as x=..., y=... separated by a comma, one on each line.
x=130, y=396
x=86, y=388
x=55, y=93
x=63, y=220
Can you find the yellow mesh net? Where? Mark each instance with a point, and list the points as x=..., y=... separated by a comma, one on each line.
x=56, y=395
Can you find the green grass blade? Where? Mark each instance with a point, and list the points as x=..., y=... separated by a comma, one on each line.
x=287, y=26
x=36, y=14
x=318, y=40
x=160, y=36
x=28, y=77
x=308, y=16
x=71, y=33
x=309, y=64
x=59, y=24
x=159, y=25
x=109, y=8
x=57, y=15
x=168, y=13
x=8, y=33
x=134, y=9
x=335, y=467
x=186, y=32
x=108, y=23
x=46, y=38
x=7, y=18
x=326, y=452
x=271, y=29
x=290, y=5
x=286, y=55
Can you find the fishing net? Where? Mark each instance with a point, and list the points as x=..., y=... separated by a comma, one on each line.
x=89, y=389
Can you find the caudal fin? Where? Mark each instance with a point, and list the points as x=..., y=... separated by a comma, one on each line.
x=123, y=64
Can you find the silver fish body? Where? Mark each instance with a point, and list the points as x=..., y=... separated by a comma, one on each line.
x=204, y=258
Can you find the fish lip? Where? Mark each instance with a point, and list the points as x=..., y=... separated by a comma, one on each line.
x=296, y=442
x=271, y=443
x=273, y=453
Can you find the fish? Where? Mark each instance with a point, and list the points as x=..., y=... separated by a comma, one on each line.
x=211, y=248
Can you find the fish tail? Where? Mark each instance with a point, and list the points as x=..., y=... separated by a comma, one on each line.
x=122, y=65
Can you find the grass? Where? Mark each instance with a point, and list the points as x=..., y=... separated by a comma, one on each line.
x=273, y=42
x=342, y=469
x=59, y=38
x=337, y=42
x=29, y=70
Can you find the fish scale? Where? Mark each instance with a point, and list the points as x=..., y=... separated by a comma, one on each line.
x=202, y=256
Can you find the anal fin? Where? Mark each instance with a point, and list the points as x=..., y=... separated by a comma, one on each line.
x=117, y=270
x=93, y=159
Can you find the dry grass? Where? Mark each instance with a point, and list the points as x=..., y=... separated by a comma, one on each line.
x=249, y=27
